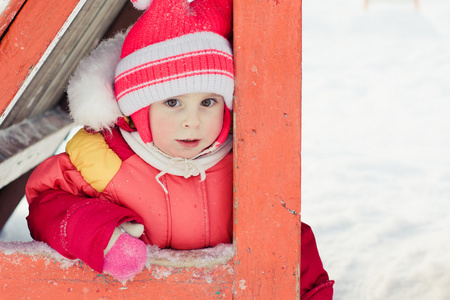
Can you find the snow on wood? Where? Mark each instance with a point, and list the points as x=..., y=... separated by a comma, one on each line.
x=194, y=274
x=42, y=47
x=27, y=43
x=8, y=10
x=23, y=146
x=199, y=258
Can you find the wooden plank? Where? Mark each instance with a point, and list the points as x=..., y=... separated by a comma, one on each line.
x=8, y=14
x=267, y=184
x=27, y=40
x=50, y=276
x=267, y=51
x=45, y=63
x=46, y=89
x=23, y=146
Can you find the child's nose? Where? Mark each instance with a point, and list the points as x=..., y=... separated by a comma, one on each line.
x=191, y=120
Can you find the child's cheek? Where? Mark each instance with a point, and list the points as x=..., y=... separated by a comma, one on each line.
x=164, y=128
x=216, y=123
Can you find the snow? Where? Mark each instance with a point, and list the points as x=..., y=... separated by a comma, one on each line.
x=16, y=228
x=36, y=248
x=376, y=169
x=199, y=258
x=376, y=177
x=161, y=263
x=3, y=5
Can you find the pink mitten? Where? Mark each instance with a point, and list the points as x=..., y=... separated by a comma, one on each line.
x=126, y=257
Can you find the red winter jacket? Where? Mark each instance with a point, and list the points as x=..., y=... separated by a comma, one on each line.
x=78, y=198
x=100, y=183
x=314, y=282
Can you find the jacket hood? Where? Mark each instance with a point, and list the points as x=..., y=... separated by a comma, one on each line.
x=92, y=99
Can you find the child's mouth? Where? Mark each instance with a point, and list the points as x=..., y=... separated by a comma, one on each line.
x=189, y=143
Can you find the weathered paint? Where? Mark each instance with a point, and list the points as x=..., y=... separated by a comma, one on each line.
x=27, y=40
x=47, y=278
x=267, y=184
x=8, y=14
x=267, y=49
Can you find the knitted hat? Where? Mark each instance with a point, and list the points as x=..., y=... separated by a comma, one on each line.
x=175, y=48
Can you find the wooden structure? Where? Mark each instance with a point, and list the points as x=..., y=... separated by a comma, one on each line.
x=41, y=44
x=265, y=257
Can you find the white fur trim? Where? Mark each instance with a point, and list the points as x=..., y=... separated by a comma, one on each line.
x=141, y=4
x=92, y=99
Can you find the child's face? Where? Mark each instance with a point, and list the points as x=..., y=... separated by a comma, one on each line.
x=185, y=125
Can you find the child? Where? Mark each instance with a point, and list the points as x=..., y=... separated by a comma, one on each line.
x=163, y=175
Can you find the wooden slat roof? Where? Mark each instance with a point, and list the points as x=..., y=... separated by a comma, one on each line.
x=41, y=48
x=41, y=44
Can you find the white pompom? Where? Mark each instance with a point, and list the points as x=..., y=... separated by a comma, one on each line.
x=141, y=4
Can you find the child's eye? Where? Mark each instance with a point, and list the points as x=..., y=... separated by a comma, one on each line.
x=172, y=102
x=208, y=102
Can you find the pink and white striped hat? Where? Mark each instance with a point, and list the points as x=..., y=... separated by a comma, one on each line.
x=175, y=48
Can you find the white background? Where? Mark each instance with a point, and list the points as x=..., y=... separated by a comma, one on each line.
x=376, y=145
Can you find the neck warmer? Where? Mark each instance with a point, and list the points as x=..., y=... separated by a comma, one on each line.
x=178, y=166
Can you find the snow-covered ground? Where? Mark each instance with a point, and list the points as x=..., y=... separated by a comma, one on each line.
x=376, y=144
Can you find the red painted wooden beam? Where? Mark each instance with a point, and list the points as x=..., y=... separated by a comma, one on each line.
x=186, y=275
x=24, y=45
x=266, y=264
x=8, y=14
x=267, y=51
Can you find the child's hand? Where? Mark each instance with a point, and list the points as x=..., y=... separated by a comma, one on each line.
x=125, y=257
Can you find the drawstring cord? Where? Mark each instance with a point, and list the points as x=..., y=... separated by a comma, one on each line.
x=178, y=166
x=191, y=168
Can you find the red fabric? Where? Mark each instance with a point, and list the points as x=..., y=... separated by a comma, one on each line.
x=314, y=281
x=79, y=221
x=193, y=65
x=192, y=215
x=179, y=18
x=65, y=217
x=175, y=67
x=142, y=122
x=225, y=128
x=122, y=123
x=117, y=144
